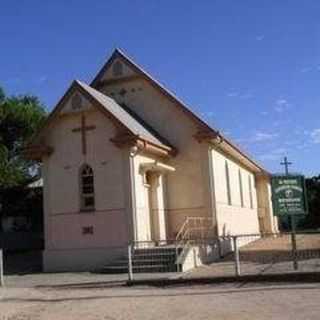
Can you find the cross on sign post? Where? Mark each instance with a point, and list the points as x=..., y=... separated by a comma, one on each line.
x=286, y=165
x=83, y=129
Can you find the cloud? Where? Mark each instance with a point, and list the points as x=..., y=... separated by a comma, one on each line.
x=43, y=79
x=305, y=69
x=302, y=146
x=232, y=94
x=264, y=113
x=263, y=136
x=13, y=81
x=258, y=137
x=273, y=155
x=260, y=37
x=241, y=95
x=281, y=101
x=247, y=95
x=281, y=105
x=210, y=114
x=310, y=69
x=315, y=136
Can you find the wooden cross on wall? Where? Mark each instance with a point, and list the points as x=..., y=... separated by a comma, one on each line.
x=83, y=129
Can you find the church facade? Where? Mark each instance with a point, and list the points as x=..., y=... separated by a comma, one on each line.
x=123, y=159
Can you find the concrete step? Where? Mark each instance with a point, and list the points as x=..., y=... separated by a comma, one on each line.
x=155, y=251
x=155, y=259
x=110, y=269
x=164, y=257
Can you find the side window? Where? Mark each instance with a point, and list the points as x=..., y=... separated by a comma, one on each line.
x=250, y=191
x=240, y=188
x=87, y=202
x=228, y=183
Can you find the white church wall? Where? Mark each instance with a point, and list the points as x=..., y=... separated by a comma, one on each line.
x=269, y=223
x=187, y=187
x=65, y=225
x=234, y=218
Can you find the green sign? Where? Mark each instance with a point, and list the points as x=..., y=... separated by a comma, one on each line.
x=288, y=195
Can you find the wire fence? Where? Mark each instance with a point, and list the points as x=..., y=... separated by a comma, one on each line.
x=234, y=255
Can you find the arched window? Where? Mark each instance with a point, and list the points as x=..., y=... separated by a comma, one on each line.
x=86, y=188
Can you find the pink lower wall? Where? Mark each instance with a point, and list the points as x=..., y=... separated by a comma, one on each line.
x=66, y=230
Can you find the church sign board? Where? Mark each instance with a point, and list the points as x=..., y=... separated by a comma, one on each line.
x=289, y=195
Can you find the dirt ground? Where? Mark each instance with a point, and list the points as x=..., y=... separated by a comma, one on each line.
x=228, y=301
x=281, y=243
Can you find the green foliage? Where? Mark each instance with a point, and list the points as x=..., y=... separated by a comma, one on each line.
x=20, y=118
x=26, y=202
x=312, y=219
x=313, y=194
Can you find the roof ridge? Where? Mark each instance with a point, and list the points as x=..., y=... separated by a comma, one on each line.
x=118, y=52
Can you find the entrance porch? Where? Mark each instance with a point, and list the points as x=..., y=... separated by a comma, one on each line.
x=151, y=222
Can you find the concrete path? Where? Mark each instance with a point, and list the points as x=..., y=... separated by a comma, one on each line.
x=75, y=279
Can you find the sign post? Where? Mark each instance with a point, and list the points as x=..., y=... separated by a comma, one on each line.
x=288, y=196
x=289, y=199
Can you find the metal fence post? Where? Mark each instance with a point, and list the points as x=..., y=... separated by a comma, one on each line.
x=1, y=269
x=236, y=256
x=220, y=248
x=294, y=250
x=130, y=273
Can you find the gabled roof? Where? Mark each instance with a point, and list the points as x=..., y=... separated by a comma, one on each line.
x=114, y=111
x=128, y=120
x=229, y=146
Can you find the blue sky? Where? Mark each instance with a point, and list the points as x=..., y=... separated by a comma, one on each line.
x=250, y=68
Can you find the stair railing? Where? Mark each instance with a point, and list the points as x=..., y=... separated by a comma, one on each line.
x=184, y=245
x=195, y=227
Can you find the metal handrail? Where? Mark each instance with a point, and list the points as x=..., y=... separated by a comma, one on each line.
x=193, y=223
x=185, y=245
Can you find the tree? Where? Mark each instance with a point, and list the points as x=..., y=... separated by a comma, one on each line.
x=20, y=118
x=313, y=195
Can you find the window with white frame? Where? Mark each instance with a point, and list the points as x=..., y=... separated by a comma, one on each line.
x=250, y=191
x=228, y=183
x=240, y=188
x=87, y=201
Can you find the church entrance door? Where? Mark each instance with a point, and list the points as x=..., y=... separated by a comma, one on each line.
x=156, y=200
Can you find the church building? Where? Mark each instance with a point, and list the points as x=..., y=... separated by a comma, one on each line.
x=123, y=159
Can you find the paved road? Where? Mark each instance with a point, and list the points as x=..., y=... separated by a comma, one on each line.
x=229, y=301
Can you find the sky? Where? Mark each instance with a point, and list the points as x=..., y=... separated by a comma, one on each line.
x=250, y=68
